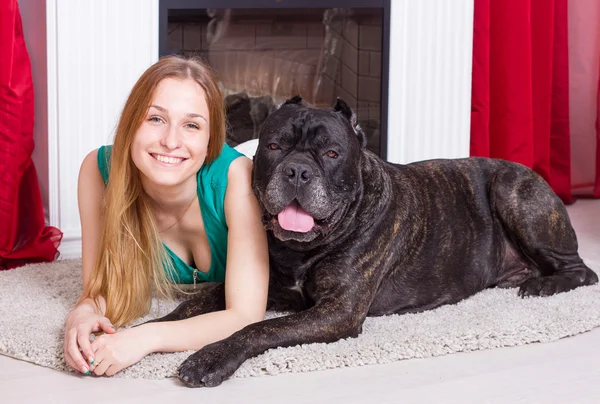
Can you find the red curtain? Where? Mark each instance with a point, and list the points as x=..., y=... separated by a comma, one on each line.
x=520, y=98
x=584, y=96
x=597, y=182
x=24, y=237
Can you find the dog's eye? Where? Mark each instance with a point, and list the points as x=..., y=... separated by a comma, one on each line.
x=332, y=154
x=273, y=146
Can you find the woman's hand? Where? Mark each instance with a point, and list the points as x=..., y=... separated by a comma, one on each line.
x=82, y=321
x=114, y=352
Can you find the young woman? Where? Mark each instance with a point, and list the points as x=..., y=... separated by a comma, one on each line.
x=168, y=202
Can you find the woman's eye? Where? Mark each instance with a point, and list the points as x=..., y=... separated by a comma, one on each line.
x=273, y=146
x=331, y=154
x=155, y=119
x=193, y=126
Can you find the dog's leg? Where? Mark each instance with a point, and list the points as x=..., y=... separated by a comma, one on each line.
x=537, y=223
x=329, y=320
x=209, y=299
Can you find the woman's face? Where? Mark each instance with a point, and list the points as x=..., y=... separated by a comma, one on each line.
x=171, y=144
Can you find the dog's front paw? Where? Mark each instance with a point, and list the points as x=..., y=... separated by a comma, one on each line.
x=544, y=286
x=211, y=365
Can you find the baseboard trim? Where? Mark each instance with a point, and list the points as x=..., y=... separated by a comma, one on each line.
x=70, y=248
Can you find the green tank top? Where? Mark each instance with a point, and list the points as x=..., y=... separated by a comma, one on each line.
x=212, y=184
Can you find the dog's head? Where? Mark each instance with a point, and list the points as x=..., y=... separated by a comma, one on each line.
x=307, y=169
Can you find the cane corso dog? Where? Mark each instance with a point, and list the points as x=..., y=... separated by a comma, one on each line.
x=351, y=236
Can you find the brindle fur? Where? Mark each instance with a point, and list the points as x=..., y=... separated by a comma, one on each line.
x=391, y=238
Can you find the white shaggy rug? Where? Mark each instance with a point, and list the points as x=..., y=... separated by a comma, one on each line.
x=35, y=299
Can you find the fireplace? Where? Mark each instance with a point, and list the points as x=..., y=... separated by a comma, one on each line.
x=266, y=51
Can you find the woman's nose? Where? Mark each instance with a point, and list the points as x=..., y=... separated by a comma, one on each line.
x=171, y=138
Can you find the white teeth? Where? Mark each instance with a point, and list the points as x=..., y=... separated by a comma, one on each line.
x=168, y=160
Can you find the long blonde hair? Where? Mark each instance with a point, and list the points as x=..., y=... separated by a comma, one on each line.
x=131, y=257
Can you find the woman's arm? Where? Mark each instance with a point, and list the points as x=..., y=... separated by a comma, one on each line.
x=86, y=318
x=246, y=279
x=90, y=194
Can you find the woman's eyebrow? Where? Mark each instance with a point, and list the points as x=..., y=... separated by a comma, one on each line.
x=158, y=107
x=192, y=115
x=189, y=114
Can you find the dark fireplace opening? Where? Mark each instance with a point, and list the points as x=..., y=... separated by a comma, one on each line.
x=266, y=51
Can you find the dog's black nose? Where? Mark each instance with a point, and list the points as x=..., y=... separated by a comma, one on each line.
x=298, y=172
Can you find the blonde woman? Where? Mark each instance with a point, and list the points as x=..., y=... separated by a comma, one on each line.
x=168, y=202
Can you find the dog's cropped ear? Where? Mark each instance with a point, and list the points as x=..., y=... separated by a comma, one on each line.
x=294, y=100
x=345, y=110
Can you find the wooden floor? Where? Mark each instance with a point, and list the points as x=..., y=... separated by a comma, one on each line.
x=567, y=371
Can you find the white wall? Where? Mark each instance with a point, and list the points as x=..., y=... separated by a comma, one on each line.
x=33, y=14
x=431, y=49
x=97, y=49
x=96, y=52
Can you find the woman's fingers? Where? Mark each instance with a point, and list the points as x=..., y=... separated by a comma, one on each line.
x=102, y=364
x=70, y=362
x=80, y=352
x=106, y=326
x=78, y=363
x=83, y=340
x=112, y=370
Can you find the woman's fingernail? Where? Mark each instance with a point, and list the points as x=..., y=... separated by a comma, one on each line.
x=86, y=371
x=91, y=360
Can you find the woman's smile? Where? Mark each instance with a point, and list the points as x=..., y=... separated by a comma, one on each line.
x=167, y=160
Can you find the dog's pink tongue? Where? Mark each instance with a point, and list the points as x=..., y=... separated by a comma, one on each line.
x=294, y=218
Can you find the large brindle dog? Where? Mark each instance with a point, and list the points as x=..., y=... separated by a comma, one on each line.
x=352, y=236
